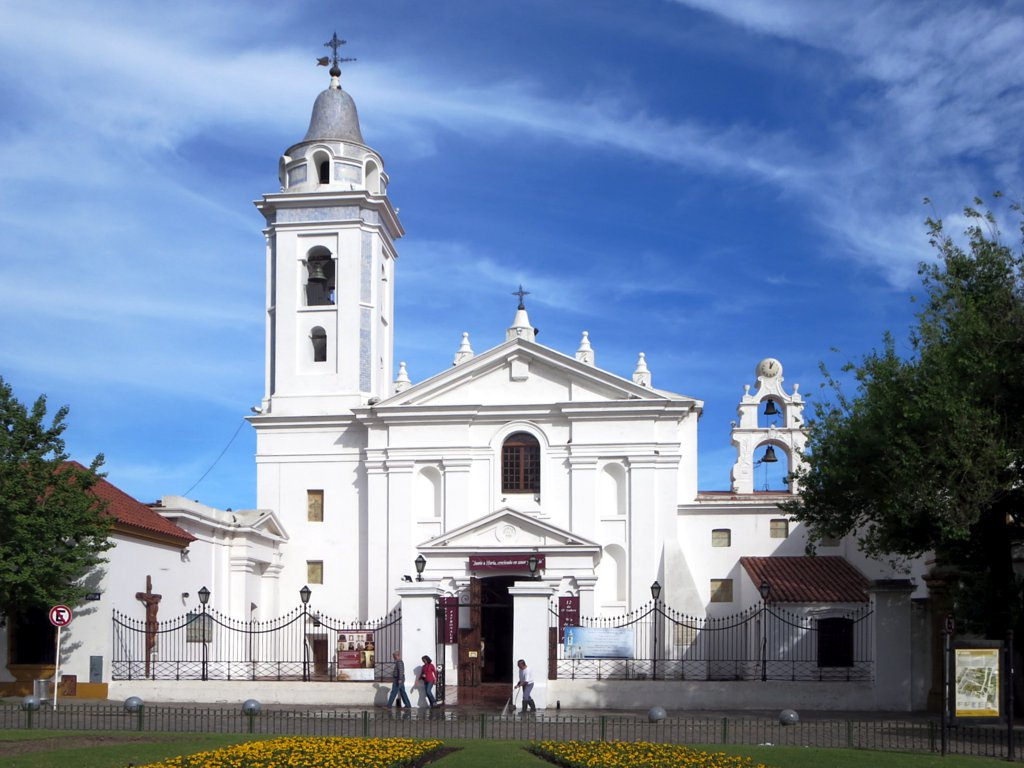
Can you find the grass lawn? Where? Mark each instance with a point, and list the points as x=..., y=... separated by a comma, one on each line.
x=106, y=749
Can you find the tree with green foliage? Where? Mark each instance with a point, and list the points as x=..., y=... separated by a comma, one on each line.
x=53, y=530
x=928, y=455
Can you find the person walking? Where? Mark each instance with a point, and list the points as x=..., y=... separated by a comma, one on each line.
x=526, y=683
x=398, y=682
x=428, y=674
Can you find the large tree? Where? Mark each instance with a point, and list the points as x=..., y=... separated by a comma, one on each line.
x=53, y=530
x=928, y=454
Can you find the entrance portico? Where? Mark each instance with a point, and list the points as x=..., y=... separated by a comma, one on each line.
x=504, y=569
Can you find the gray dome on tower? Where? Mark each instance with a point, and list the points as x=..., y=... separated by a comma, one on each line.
x=334, y=117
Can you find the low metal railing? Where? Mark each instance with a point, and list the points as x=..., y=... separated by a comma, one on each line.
x=914, y=734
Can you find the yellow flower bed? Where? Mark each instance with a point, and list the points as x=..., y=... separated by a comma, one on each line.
x=622, y=754
x=308, y=752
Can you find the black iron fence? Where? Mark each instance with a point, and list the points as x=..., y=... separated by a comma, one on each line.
x=303, y=644
x=914, y=734
x=763, y=642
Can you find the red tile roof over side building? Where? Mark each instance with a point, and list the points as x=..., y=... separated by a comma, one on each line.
x=820, y=579
x=134, y=516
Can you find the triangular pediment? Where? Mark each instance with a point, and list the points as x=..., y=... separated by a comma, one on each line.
x=507, y=530
x=523, y=372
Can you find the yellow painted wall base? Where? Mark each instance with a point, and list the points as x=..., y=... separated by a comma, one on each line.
x=85, y=690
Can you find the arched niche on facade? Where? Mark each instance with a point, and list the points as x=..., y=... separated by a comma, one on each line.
x=612, y=578
x=428, y=493
x=612, y=490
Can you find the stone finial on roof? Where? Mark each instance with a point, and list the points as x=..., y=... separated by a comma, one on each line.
x=402, y=382
x=465, y=351
x=585, y=354
x=642, y=375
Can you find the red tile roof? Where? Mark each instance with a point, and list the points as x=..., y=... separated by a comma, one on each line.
x=820, y=579
x=134, y=514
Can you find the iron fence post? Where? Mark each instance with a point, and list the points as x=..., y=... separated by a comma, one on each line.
x=1010, y=747
x=305, y=650
x=764, y=642
x=205, y=650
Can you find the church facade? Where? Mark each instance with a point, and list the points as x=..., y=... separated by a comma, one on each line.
x=519, y=491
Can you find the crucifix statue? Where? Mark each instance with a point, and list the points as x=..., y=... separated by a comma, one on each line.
x=152, y=603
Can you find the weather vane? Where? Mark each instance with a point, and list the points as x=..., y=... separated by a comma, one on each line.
x=334, y=43
x=520, y=293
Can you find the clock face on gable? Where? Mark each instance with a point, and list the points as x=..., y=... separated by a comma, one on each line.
x=769, y=367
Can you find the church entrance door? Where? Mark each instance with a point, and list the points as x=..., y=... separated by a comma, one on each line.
x=496, y=629
x=485, y=647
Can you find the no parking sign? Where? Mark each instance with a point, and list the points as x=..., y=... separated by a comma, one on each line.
x=60, y=615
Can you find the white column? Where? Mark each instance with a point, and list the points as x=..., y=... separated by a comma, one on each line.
x=376, y=584
x=644, y=544
x=588, y=604
x=892, y=643
x=418, y=632
x=530, y=634
x=400, y=552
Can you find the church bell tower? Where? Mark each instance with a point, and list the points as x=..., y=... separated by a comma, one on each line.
x=330, y=266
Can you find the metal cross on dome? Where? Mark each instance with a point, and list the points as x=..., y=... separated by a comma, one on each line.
x=520, y=293
x=334, y=43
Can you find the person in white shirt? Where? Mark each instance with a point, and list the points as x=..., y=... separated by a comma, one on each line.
x=526, y=683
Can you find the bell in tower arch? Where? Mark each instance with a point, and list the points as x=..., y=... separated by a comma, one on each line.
x=319, y=284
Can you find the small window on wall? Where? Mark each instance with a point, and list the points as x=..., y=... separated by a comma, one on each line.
x=721, y=537
x=319, y=339
x=721, y=590
x=315, y=506
x=315, y=571
x=779, y=528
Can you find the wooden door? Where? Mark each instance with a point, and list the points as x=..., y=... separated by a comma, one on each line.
x=320, y=657
x=469, y=640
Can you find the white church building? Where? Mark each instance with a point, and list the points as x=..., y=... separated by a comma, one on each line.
x=483, y=514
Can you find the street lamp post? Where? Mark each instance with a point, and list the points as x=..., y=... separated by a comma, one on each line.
x=655, y=594
x=304, y=594
x=204, y=598
x=765, y=589
x=420, y=562
x=532, y=564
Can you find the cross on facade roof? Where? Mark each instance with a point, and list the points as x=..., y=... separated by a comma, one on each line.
x=520, y=293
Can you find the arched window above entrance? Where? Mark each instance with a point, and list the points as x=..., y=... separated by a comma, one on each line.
x=520, y=464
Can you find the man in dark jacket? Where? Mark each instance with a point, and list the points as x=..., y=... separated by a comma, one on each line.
x=398, y=682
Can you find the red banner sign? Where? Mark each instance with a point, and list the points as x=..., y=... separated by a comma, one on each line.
x=448, y=620
x=568, y=615
x=504, y=562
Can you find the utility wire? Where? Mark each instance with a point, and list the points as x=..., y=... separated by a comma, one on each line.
x=197, y=482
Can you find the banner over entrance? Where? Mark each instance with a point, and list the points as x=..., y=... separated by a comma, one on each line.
x=517, y=562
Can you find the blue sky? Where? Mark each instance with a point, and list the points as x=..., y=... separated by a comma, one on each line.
x=707, y=182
